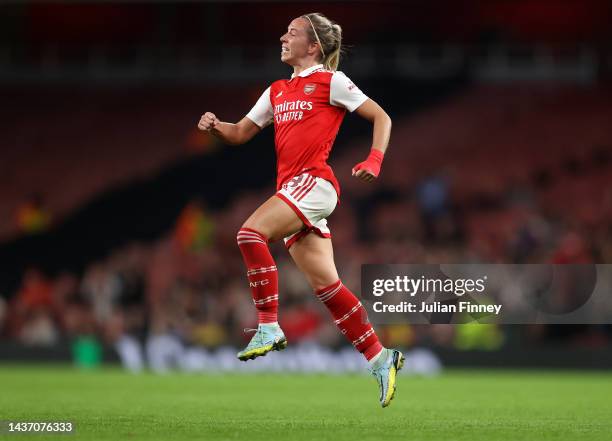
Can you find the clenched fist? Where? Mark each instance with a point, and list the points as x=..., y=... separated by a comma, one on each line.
x=208, y=121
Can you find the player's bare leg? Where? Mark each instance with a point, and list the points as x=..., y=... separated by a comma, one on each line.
x=314, y=256
x=273, y=220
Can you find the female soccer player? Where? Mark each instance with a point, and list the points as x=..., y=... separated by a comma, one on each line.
x=307, y=111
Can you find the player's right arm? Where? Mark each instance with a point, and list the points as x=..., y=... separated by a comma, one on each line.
x=229, y=133
x=259, y=117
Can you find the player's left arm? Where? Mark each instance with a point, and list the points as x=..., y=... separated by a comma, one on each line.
x=369, y=169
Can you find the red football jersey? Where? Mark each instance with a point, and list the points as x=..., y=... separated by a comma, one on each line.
x=307, y=111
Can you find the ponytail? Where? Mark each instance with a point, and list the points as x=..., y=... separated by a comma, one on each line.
x=329, y=37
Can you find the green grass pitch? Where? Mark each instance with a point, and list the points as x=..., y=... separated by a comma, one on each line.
x=458, y=405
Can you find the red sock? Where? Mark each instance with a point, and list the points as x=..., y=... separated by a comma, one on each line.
x=351, y=318
x=261, y=272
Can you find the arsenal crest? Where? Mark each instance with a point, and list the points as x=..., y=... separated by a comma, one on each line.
x=309, y=88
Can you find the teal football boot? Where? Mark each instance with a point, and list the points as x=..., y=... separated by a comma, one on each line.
x=267, y=338
x=384, y=369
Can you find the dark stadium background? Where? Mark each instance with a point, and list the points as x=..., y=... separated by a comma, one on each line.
x=118, y=218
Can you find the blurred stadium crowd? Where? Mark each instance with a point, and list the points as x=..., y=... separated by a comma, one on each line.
x=518, y=172
x=493, y=193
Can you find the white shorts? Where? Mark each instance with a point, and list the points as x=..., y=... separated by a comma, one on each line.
x=313, y=199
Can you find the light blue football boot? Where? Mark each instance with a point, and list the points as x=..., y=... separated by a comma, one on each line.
x=267, y=338
x=384, y=369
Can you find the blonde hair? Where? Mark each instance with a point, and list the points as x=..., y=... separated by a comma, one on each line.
x=329, y=37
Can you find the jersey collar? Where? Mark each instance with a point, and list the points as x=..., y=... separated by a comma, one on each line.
x=308, y=71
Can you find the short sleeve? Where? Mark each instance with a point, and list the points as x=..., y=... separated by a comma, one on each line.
x=262, y=112
x=343, y=93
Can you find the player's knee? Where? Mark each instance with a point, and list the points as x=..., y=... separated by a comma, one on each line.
x=254, y=223
x=324, y=281
x=262, y=228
